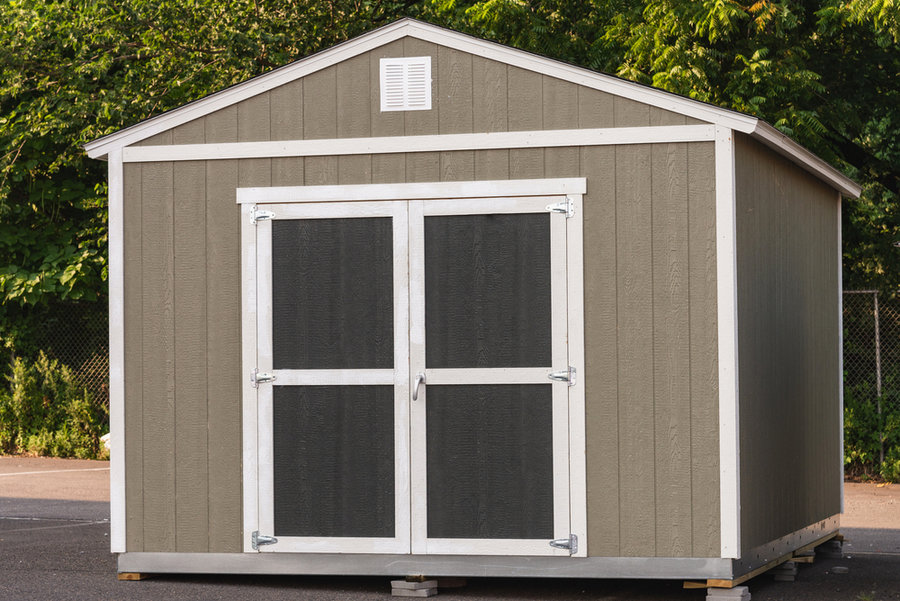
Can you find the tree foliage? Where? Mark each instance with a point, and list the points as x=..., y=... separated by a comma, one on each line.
x=824, y=73
x=73, y=70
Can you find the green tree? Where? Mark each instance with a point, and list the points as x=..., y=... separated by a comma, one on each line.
x=74, y=70
x=824, y=73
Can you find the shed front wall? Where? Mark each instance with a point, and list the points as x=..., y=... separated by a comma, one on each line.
x=788, y=261
x=650, y=294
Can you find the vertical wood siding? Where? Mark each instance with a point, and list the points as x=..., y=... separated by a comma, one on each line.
x=650, y=287
x=789, y=345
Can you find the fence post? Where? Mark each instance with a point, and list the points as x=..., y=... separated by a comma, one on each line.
x=878, y=382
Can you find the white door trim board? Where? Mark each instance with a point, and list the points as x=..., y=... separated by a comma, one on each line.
x=416, y=191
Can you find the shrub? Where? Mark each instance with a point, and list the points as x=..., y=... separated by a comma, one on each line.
x=46, y=412
x=864, y=429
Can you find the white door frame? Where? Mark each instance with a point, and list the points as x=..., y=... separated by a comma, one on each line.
x=457, y=197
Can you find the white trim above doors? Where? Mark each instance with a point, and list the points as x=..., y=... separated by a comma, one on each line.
x=569, y=503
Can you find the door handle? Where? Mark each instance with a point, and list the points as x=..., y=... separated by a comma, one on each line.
x=420, y=379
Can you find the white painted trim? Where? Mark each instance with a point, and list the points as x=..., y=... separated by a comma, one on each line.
x=508, y=546
x=488, y=375
x=428, y=143
x=495, y=206
x=577, y=433
x=265, y=447
x=423, y=31
x=786, y=147
x=727, y=318
x=402, y=392
x=344, y=544
x=840, y=294
x=417, y=437
x=117, y=519
x=428, y=190
x=559, y=324
x=328, y=377
x=249, y=407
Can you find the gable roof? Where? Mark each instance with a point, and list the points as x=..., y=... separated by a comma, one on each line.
x=408, y=27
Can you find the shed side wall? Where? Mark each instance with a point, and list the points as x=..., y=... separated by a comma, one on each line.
x=788, y=345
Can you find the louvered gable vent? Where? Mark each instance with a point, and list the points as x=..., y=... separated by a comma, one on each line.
x=406, y=84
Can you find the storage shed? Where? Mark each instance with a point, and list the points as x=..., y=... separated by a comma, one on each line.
x=425, y=304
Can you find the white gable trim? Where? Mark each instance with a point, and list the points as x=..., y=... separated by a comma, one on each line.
x=518, y=58
x=431, y=143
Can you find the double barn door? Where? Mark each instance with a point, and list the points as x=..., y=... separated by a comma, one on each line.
x=412, y=376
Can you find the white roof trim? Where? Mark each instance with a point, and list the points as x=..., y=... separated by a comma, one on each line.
x=785, y=146
x=497, y=52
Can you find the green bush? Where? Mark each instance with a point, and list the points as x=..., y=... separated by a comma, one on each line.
x=864, y=428
x=44, y=411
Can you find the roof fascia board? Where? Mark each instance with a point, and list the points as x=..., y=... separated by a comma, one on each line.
x=785, y=146
x=242, y=91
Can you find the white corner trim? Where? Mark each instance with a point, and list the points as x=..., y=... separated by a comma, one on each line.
x=428, y=143
x=785, y=146
x=727, y=318
x=417, y=191
x=840, y=299
x=117, y=539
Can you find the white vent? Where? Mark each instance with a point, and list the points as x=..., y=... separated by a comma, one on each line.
x=406, y=84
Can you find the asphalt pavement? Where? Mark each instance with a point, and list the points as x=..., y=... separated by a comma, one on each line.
x=54, y=544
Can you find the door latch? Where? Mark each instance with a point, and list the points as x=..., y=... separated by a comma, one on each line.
x=258, y=539
x=567, y=375
x=257, y=378
x=571, y=544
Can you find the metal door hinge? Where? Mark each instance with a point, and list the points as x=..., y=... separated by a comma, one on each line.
x=257, y=214
x=567, y=206
x=258, y=539
x=257, y=378
x=570, y=543
x=564, y=376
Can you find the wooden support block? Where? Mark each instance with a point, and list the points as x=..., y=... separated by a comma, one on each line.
x=414, y=585
x=738, y=593
x=134, y=576
x=422, y=592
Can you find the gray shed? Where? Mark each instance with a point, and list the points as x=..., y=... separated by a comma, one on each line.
x=426, y=304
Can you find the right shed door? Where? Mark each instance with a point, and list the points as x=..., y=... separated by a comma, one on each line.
x=488, y=325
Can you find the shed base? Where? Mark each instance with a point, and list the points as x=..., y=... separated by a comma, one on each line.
x=732, y=571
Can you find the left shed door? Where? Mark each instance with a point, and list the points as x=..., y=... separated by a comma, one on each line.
x=332, y=328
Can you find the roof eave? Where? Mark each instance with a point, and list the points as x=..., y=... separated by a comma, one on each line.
x=784, y=145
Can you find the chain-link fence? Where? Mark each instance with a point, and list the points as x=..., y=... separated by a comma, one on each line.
x=872, y=357
x=77, y=335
